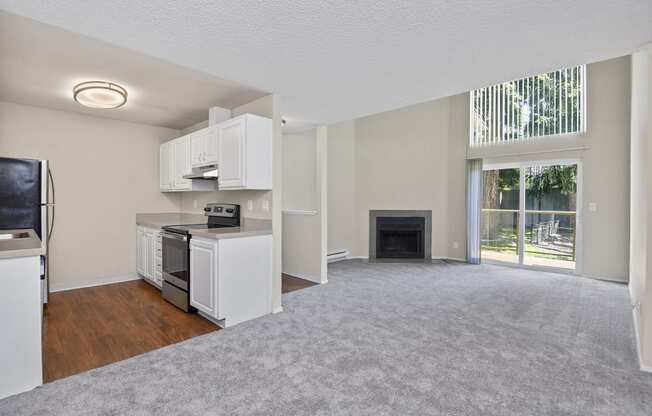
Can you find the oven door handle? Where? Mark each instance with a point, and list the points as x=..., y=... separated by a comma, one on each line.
x=174, y=236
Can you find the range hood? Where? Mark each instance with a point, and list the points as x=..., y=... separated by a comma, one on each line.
x=205, y=172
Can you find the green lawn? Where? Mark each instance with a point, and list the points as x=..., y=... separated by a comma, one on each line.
x=506, y=241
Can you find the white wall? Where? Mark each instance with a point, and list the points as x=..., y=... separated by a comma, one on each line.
x=640, y=283
x=105, y=171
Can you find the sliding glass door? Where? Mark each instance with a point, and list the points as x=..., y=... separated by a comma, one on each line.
x=529, y=215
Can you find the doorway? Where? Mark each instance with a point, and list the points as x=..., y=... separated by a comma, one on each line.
x=530, y=214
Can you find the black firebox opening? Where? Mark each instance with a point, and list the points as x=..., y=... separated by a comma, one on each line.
x=400, y=237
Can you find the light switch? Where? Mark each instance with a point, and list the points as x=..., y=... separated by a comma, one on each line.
x=593, y=207
x=194, y=203
x=456, y=244
x=265, y=205
x=250, y=205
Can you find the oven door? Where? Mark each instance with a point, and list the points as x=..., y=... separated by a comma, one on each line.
x=175, y=261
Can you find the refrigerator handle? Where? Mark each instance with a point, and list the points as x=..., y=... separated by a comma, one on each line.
x=51, y=204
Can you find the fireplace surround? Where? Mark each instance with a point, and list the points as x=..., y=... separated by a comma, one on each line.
x=400, y=235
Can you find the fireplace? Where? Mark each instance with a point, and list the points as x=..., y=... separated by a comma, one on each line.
x=399, y=234
x=400, y=237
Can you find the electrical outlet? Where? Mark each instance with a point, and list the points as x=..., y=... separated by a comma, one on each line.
x=593, y=207
x=194, y=203
x=250, y=205
x=456, y=244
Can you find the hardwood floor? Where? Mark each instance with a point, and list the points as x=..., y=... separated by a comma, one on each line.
x=92, y=327
x=291, y=283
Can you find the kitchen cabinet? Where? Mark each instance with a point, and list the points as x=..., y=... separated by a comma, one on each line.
x=231, y=278
x=21, y=312
x=240, y=147
x=244, y=153
x=166, y=162
x=175, y=162
x=204, y=146
x=148, y=255
x=203, y=263
x=182, y=165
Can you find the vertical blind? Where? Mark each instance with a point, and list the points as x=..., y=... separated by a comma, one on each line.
x=543, y=105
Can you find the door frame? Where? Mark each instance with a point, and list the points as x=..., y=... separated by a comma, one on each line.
x=521, y=165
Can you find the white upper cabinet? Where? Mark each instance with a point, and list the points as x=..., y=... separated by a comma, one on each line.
x=245, y=153
x=182, y=165
x=241, y=147
x=197, y=149
x=204, y=147
x=211, y=141
x=175, y=163
x=166, y=161
x=230, y=163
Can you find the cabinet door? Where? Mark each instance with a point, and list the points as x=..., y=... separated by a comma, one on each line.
x=197, y=148
x=152, y=255
x=230, y=153
x=149, y=268
x=181, y=166
x=203, y=276
x=164, y=166
x=140, y=251
x=211, y=144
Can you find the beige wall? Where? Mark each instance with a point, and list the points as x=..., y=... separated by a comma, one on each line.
x=299, y=171
x=302, y=232
x=414, y=158
x=640, y=283
x=604, y=152
x=341, y=187
x=411, y=158
x=402, y=162
x=105, y=172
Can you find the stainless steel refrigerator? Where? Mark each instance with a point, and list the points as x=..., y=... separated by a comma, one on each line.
x=27, y=201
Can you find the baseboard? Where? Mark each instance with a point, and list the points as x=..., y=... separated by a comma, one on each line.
x=54, y=287
x=434, y=258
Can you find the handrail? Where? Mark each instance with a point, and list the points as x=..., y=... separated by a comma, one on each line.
x=530, y=211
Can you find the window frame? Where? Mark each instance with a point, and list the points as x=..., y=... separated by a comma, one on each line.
x=583, y=124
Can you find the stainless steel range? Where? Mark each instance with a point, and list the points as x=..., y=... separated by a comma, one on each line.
x=176, y=251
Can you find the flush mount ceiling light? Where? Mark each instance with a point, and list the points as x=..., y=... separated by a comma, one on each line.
x=100, y=94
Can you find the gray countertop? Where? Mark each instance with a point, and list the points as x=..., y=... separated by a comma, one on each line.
x=248, y=226
x=20, y=247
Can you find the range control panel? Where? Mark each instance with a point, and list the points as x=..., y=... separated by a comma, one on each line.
x=222, y=210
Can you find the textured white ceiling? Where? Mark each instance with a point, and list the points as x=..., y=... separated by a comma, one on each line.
x=331, y=60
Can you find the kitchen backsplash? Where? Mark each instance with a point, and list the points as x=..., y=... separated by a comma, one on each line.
x=259, y=199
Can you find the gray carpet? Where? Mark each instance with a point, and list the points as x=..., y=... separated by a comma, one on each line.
x=389, y=339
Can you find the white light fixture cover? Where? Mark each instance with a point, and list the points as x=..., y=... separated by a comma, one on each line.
x=100, y=94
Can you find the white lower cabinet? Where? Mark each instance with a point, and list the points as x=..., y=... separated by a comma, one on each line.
x=231, y=278
x=148, y=255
